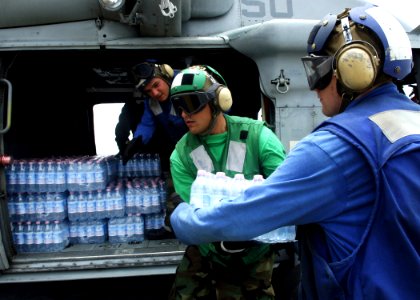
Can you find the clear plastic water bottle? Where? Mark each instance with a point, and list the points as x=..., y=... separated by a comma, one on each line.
x=58, y=205
x=11, y=177
x=156, y=168
x=60, y=184
x=71, y=176
x=121, y=230
x=141, y=165
x=154, y=194
x=279, y=235
x=11, y=208
x=129, y=221
x=90, y=176
x=138, y=228
x=148, y=222
x=58, y=236
x=147, y=199
x=81, y=206
x=100, y=205
x=148, y=165
x=238, y=185
x=72, y=206
x=138, y=194
x=51, y=176
x=109, y=203
x=73, y=233
x=99, y=230
x=130, y=199
x=80, y=176
x=49, y=206
x=19, y=237
x=220, y=188
x=41, y=176
x=31, y=177
x=29, y=237
x=99, y=171
x=20, y=207
x=90, y=206
x=48, y=237
x=40, y=206
x=199, y=196
x=21, y=176
x=162, y=193
x=119, y=201
x=112, y=230
x=38, y=237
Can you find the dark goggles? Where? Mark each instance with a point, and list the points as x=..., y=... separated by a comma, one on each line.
x=319, y=70
x=191, y=103
x=143, y=73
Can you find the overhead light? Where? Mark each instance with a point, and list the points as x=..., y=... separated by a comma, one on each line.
x=112, y=5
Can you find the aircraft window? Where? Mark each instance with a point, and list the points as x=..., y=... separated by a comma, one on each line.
x=105, y=117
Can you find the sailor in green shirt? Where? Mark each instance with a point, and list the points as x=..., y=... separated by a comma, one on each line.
x=219, y=142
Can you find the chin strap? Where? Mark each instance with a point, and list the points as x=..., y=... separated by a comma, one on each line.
x=214, y=114
x=346, y=97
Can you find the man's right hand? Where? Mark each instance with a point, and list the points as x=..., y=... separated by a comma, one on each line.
x=173, y=201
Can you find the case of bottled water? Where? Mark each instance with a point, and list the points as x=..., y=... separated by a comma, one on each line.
x=37, y=206
x=126, y=229
x=153, y=221
x=209, y=189
x=40, y=236
x=88, y=232
x=140, y=165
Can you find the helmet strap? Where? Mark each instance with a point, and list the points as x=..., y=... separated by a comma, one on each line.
x=346, y=97
x=214, y=113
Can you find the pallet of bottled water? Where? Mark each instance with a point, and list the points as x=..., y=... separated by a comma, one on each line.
x=40, y=236
x=209, y=189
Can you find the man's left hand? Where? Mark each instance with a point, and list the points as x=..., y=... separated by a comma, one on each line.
x=133, y=147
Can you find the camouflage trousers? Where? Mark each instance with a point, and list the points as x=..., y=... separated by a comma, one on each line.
x=205, y=278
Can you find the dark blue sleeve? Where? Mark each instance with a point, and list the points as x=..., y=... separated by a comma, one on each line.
x=147, y=125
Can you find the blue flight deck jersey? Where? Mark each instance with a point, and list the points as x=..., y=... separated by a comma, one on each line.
x=164, y=113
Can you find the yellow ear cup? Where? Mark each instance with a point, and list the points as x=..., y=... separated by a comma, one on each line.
x=224, y=98
x=167, y=70
x=356, y=67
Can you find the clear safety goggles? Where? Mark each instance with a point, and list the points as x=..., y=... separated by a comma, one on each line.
x=318, y=70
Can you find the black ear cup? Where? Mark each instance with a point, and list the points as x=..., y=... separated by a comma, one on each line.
x=223, y=98
x=356, y=66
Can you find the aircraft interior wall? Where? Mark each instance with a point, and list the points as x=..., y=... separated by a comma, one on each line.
x=54, y=92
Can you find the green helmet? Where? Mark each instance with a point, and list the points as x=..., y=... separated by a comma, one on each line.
x=194, y=87
x=191, y=80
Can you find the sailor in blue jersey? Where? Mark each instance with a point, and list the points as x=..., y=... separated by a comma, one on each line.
x=155, y=80
x=352, y=186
